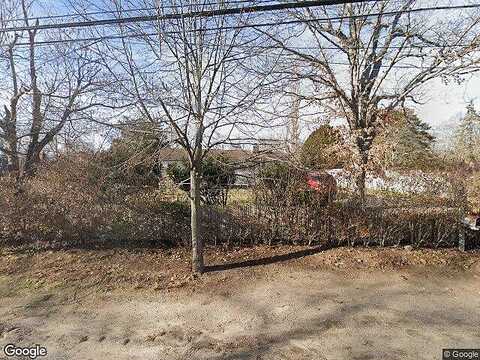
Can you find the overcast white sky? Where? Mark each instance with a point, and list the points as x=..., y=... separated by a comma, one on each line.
x=444, y=105
x=443, y=102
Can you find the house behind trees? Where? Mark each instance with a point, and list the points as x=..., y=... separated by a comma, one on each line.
x=244, y=162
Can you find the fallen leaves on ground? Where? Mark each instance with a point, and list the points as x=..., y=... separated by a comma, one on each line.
x=159, y=269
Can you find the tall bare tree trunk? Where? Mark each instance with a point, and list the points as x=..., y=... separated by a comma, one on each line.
x=197, y=241
x=360, y=182
x=364, y=141
x=31, y=161
x=11, y=146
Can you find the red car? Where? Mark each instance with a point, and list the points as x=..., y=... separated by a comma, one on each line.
x=322, y=183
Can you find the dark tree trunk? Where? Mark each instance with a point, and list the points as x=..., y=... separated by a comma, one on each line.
x=360, y=183
x=364, y=143
x=13, y=164
x=195, y=209
x=32, y=159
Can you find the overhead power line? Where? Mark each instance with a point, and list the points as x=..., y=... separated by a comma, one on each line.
x=259, y=25
x=172, y=16
x=106, y=12
x=214, y=13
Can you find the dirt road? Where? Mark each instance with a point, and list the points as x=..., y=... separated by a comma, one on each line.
x=290, y=310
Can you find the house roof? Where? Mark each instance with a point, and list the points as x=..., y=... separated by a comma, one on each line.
x=234, y=155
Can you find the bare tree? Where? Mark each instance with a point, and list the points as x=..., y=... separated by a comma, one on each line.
x=6, y=14
x=56, y=85
x=8, y=137
x=197, y=75
x=367, y=58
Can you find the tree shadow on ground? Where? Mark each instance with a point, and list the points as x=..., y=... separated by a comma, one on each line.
x=267, y=260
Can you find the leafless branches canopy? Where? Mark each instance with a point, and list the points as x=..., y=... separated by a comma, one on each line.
x=363, y=60
x=199, y=77
x=45, y=89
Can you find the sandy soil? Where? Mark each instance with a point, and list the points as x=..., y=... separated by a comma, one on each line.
x=336, y=304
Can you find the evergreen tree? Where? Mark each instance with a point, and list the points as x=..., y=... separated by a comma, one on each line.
x=467, y=137
x=405, y=142
x=217, y=177
x=133, y=156
x=321, y=149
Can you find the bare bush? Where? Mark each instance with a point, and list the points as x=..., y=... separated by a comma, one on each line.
x=70, y=202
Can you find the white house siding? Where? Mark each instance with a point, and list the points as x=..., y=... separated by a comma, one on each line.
x=412, y=182
x=243, y=177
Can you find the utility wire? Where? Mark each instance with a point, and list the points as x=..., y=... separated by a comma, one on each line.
x=113, y=37
x=257, y=25
x=289, y=22
x=105, y=12
x=171, y=16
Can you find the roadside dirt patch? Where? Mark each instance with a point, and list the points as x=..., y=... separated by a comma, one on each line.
x=157, y=270
x=267, y=303
x=476, y=268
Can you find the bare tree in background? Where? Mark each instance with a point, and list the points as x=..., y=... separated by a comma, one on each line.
x=197, y=75
x=7, y=11
x=367, y=58
x=47, y=87
x=8, y=136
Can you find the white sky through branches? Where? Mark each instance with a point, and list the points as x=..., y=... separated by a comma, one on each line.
x=443, y=103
